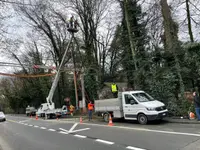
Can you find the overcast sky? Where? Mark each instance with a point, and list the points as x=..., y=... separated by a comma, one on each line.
x=18, y=29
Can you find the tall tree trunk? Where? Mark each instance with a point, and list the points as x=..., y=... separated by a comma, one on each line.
x=189, y=21
x=172, y=43
x=132, y=44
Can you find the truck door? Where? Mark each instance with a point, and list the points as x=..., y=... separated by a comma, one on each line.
x=130, y=107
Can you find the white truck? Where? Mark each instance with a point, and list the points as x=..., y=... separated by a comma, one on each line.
x=30, y=111
x=47, y=109
x=132, y=105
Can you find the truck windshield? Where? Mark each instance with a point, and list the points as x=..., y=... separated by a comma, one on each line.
x=143, y=97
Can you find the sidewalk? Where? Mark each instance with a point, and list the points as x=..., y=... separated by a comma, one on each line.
x=179, y=120
x=168, y=119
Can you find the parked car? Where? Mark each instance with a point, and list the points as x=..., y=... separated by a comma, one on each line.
x=2, y=116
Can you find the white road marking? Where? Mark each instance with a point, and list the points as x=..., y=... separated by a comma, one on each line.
x=25, y=120
x=63, y=132
x=30, y=125
x=26, y=124
x=79, y=130
x=80, y=136
x=103, y=141
x=147, y=130
x=52, y=130
x=73, y=127
x=134, y=148
x=43, y=128
x=36, y=126
x=137, y=129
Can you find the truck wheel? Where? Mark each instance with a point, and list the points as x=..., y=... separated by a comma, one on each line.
x=142, y=119
x=106, y=117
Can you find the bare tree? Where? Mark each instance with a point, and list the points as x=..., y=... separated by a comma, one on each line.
x=52, y=28
x=189, y=21
x=91, y=13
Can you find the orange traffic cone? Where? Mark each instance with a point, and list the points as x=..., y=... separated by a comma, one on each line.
x=81, y=120
x=192, y=115
x=36, y=117
x=110, y=121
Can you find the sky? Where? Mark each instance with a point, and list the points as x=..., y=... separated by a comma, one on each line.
x=18, y=29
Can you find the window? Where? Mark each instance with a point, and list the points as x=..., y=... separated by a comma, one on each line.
x=143, y=97
x=128, y=98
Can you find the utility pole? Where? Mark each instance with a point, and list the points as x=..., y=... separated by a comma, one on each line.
x=83, y=93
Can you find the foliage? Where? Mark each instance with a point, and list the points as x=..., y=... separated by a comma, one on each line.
x=91, y=86
x=142, y=49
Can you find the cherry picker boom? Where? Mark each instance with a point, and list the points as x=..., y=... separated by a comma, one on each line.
x=48, y=109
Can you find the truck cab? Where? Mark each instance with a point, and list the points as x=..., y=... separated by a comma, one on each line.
x=138, y=105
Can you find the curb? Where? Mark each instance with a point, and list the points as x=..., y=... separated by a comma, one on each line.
x=181, y=121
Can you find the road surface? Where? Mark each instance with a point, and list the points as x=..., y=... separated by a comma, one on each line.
x=22, y=133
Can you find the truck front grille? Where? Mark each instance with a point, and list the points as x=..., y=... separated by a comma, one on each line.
x=161, y=108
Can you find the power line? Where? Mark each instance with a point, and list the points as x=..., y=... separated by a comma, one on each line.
x=7, y=64
x=27, y=76
x=16, y=3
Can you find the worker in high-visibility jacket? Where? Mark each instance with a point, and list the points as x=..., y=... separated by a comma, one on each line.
x=90, y=109
x=71, y=109
x=114, y=89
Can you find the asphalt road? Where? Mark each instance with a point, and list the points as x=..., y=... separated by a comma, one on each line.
x=22, y=133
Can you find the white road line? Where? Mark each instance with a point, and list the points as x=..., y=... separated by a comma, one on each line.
x=36, y=126
x=26, y=124
x=25, y=120
x=146, y=130
x=103, y=141
x=79, y=130
x=51, y=130
x=43, y=128
x=134, y=148
x=63, y=132
x=30, y=125
x=73, y=127
x=80, y=136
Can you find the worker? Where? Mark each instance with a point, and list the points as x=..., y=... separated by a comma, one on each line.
x=71, y=21
x=68, y=101
x=114, y=89
x=197, y=102
x=67, y=24
x=90, y=109
x=71, y=109
x=76, y=24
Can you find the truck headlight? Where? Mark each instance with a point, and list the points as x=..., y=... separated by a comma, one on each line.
x=150, y=109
